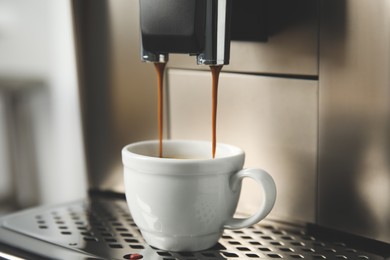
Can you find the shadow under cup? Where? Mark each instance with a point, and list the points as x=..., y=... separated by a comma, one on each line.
x=183, y=204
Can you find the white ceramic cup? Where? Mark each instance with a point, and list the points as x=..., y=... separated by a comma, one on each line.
x=184, y=202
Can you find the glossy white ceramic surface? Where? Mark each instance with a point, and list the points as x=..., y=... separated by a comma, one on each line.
x=184, y=204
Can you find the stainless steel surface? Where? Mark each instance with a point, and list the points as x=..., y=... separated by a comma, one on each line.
x=354, y=143
x=273, y=119
x=291, y=48
x=217, y=38
x=104, y=229
x=20, y=128
x=118, y=91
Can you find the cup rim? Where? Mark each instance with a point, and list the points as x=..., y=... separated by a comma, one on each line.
x=234, y=151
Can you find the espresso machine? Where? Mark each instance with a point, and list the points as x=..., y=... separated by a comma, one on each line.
x=305, y=91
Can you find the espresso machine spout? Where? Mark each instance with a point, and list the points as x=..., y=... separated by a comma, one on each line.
x=195, y=27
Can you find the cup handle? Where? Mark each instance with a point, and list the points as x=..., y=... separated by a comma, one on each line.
x=268, y=189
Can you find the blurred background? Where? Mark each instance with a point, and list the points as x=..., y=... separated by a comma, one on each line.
x=41, y=152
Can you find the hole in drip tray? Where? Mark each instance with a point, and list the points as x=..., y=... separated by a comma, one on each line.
x=229, y=254
x=286, y=249
x=131, y=240
x=275, y=256
x=297, y=256
x=308, y=238
x=137, y=246
x=91, y=239
x=115, y=245
x=126, y=235
x=297, y=243
x=162, y=253
x=243, y=248
x=319, y=244
x=252, y=256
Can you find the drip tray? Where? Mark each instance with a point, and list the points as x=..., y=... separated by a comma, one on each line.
x=104, y=229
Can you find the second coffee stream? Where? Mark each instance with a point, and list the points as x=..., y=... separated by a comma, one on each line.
x=215, y=71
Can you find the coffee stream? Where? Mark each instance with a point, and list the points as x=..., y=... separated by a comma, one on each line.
x=215, y=71
x=160, y=67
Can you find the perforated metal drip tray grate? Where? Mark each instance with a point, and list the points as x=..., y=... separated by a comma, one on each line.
x=105, y=230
